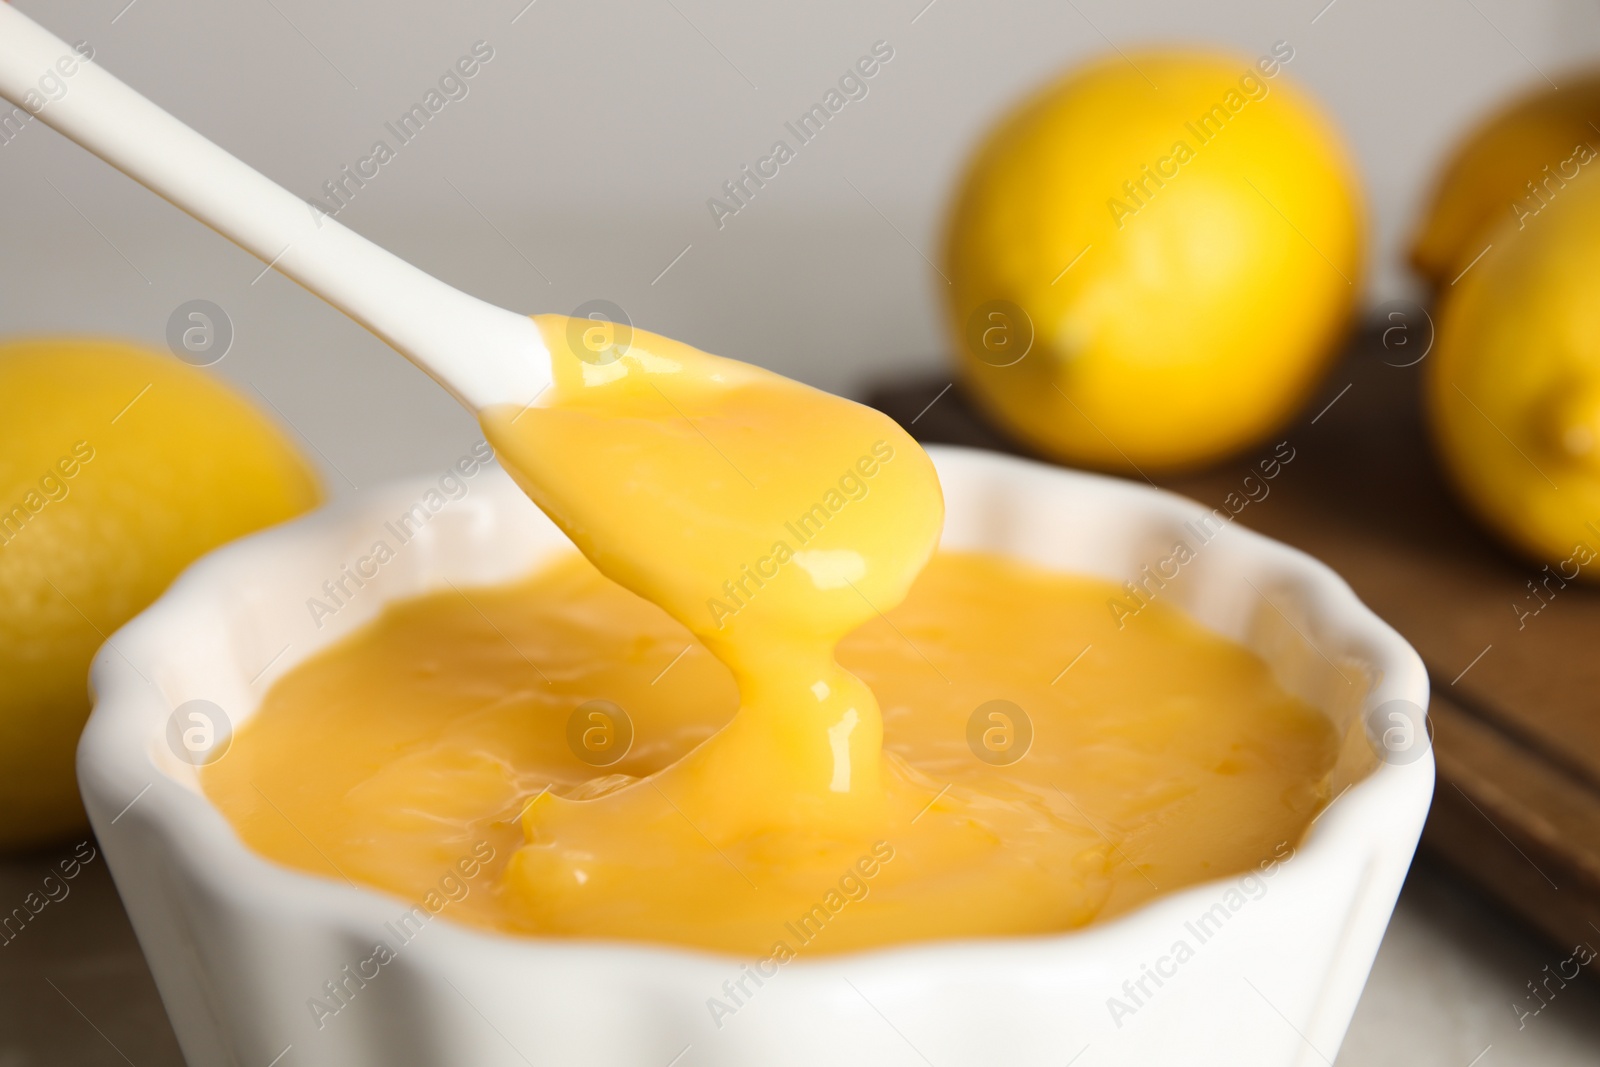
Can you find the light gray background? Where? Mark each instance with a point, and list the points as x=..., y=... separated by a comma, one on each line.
x=579, y=167
x=580, y=164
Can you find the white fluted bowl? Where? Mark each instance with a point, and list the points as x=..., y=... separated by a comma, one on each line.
x=239, y=945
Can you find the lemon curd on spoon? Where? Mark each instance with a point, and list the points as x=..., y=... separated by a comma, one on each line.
x=832, y=742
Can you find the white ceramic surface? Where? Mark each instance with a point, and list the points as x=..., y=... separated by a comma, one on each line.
x=240, y=946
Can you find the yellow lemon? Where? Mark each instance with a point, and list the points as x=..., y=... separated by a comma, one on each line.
x=1513, y=384
x=1510, y=167
x=1151, y=261
x=118, y=467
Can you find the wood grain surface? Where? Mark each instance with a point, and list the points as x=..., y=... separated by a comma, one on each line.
x=1516, y=676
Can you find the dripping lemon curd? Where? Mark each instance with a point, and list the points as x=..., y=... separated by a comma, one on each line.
x=760, y=713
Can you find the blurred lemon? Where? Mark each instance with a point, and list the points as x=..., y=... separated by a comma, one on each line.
x=1151, y=261
x=1513, y=385
x=118, y=467
x=1509, y=167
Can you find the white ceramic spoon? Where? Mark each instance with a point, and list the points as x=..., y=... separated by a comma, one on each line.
x=484, y=355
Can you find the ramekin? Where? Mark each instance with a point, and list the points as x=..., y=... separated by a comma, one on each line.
x=241, y=947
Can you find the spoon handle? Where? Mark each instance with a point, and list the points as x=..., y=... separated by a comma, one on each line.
x=482, y=354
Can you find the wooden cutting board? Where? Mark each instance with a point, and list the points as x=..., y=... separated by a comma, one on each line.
x=1516, y=679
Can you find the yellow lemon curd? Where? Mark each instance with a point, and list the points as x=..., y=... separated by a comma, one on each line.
x=744, y=722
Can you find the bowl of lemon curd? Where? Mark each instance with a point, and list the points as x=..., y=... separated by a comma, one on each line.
x=718, y=723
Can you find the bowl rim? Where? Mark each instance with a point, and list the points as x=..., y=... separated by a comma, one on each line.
x=113, y=760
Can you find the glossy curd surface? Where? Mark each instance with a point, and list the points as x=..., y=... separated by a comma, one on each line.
x=726, y=729
x=1162, y=756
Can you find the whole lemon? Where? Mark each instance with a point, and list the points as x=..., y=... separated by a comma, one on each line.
x=1509, y=167
x=1513, y=384
x=1152, y=260
x=118, y=467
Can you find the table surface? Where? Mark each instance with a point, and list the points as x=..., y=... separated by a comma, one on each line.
x=74, y=990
